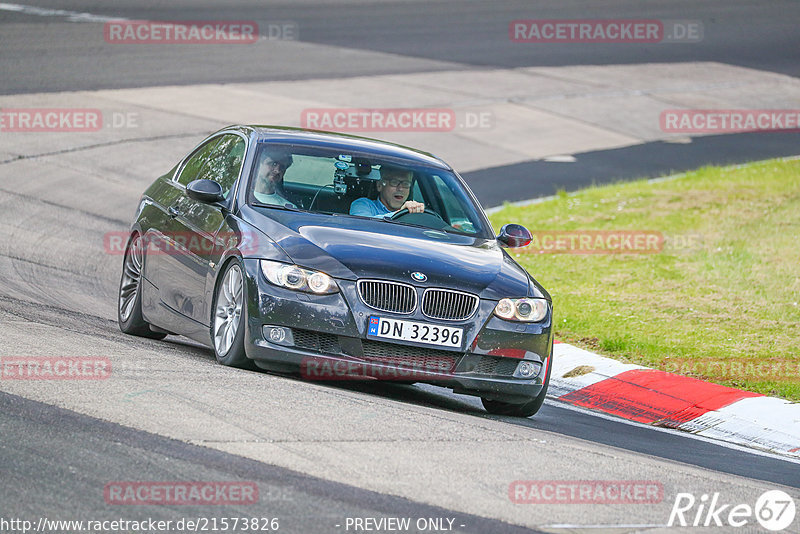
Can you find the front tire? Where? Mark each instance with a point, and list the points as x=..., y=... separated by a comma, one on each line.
x=129, y=305
x=227, y=324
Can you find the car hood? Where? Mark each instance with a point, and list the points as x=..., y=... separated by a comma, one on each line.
x=355, y=248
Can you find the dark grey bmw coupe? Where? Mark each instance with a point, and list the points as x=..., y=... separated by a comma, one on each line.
x=339, y=258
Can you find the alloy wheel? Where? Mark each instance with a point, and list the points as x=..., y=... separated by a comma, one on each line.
x=131, y=277
x=228, y=310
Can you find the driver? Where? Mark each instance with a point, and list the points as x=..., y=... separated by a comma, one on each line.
x=272, y=165
x=393, y=190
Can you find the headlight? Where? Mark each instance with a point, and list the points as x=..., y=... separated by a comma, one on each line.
x=525, y=310
x=297, y=278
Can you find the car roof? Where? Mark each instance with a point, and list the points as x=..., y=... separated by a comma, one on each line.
x=345, y=142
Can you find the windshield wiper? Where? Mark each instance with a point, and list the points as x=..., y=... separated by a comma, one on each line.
x=290, y=208
x=285, y=207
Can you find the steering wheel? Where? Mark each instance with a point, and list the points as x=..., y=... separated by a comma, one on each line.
x=403, y=212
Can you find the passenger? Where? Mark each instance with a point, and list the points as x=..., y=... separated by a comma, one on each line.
x=393, y=190
x=272, y=165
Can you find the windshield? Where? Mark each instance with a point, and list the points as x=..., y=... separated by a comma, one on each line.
x=360, y=185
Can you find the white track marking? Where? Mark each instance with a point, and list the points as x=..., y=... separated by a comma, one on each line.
x=576, y=526
x=683, y=433
x=70, y=16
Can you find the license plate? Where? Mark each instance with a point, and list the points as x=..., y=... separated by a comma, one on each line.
x=430, y=334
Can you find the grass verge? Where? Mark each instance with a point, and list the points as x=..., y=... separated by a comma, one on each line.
x=718, y=299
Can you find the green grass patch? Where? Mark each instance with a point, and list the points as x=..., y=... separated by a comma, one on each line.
x=720, y=301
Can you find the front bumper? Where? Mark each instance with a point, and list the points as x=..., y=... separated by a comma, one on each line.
x=326, y=340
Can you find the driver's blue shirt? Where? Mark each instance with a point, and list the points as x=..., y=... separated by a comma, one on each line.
x=366, y=207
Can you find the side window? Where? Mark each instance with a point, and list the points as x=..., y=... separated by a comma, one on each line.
x=195, y=162
x=225, y=162
x=454, y=210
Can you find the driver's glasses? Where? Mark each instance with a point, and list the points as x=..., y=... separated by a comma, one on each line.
x=398, y=183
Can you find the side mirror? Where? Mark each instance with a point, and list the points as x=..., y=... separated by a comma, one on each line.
x=514, y=235
x=207, y=191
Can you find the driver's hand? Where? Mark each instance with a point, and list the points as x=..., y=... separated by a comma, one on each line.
x=413, y=206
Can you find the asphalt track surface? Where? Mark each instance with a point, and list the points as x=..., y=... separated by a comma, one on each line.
x=101, y=451
x=46, y=55
x=56, y=462
x=541, y=178
x=323, y=452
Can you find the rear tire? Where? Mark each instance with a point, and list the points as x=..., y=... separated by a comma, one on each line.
x=227, y=323
x=129, y=304
x=526, y=409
